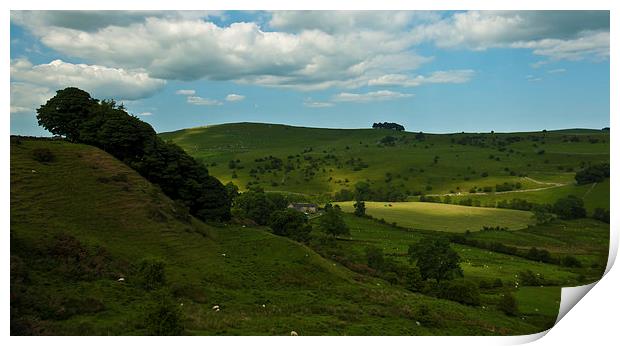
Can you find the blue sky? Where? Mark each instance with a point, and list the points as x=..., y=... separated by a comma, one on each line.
x=430, y=71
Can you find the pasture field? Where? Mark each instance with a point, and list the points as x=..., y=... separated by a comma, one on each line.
x=320, y=162
x=595, y=195
x=479, y=265
x=443, y=217
x=264, y=284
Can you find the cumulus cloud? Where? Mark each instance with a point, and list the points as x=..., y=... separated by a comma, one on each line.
x=201, y=101
x=92, y=20
x=343, y=21
x=102, y=82
x=186, y=92
x=26, y=97
x=381, y=95
x=558, y=35
x=310, y=50
x=190, y=49
x=234, y=98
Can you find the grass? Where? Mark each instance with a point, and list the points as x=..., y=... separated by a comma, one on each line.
x=444, y=217
x=478, y=265
x=86, y=194
x=494, y=159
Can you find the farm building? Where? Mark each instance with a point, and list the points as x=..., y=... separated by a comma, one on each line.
x=304, y=207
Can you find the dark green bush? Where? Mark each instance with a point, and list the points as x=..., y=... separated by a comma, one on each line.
x=43, y=155
x=151, y=273
x=163, y=317
x=508, y=304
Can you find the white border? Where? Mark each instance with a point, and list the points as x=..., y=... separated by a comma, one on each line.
x=595, y=318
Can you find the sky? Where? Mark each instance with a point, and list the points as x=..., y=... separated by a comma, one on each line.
x=440, y=72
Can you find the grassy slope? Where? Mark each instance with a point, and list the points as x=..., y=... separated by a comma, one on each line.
x=132, y=220
x=459, y=167
x=586, y=239
x=443, y=217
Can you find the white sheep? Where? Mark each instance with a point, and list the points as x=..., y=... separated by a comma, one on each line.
x=215, y=307
x=294, y=333
x=121, y=280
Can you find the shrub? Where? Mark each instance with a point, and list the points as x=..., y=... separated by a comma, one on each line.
x=151, y=273
x=413, y=280
x=571, y=261
x=163, y=317
x=462, y=291
x=528, y=278
x=601, y=215
x=43, y=155
x=508, y=304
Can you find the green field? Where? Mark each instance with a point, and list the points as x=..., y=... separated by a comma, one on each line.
x=322, y=162
x=119, y=219
x=483, y=265
x=444, y=217
x=271, y=285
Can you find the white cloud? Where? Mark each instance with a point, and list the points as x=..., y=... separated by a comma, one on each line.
x=532, y=78
x=317, y=104
x=557, y=70
x=92, y=20
x=346, y=21
x=186, y=49
x=201, y=101
x=186, y=92
x=145, y=113
x=102, y=82
x=381, y=95
x=26, y=97
x=234, y=98
x=557, y=35
x=450, y=77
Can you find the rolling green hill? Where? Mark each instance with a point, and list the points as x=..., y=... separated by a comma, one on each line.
x=320, y=162
x=83, y=220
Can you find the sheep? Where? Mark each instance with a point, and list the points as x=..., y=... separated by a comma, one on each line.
x=121, y=280
x=294, y=333
x=216, y=307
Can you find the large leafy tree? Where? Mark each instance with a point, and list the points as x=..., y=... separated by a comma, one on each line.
x=436, y=259
x=65, y=113
x=332, y=222
x=73, y=113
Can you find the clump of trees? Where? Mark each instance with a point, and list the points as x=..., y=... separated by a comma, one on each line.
x=290, y=223
x=568, y=208
x=74, y=114
x=360, y=208
x=593, y=174
x=389, y=126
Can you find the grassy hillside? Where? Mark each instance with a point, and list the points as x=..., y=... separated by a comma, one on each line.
x=83, y=220
x=444, y=217
x=323, y=161
x=585, y=239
